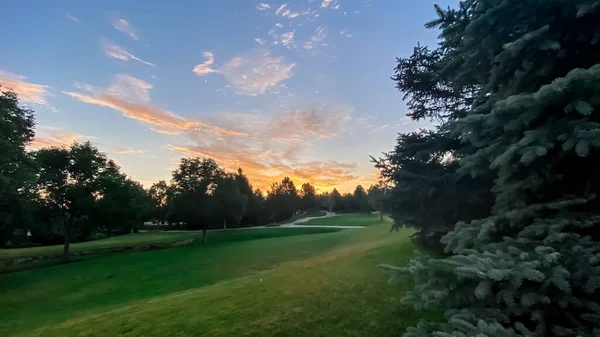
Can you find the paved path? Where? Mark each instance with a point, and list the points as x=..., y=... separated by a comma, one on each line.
x=294, y=224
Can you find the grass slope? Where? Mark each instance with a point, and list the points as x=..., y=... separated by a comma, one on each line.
x=306, y=285
x=355, y=219
x=39, y=296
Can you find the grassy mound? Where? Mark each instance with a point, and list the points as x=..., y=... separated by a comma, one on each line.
x=355, y=219
x=297, y=285
x=130, y=240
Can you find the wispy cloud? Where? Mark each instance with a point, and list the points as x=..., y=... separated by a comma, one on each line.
x=330, y=4
x=251, y=73
x=115, y=51
x=49, y=136
x=28, y=92
x=128, y=87
x=125, y=27
x=162, y=121
x=72, y=17
x=287, y=39
x=263, y=6
x=260, y=41
x=315, y=40
x=204, y=68
x=128, y=150
x=285, y=12
x=345, y=33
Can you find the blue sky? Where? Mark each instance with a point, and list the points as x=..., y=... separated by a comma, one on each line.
x=298, y=88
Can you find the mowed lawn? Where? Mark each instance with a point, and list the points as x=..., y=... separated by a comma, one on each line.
x=354, y=219
x=295, y=285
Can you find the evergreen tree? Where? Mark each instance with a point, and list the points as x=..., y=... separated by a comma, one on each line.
x=361, y=200
x=530, y=267
x=253, y=207
x=308, y=196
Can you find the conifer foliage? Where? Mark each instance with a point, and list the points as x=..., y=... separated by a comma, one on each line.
x=529, y=73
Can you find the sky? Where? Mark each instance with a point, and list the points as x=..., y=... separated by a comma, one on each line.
x=299, y=88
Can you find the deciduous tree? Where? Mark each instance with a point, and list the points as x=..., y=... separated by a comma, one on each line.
x=68, y=183
x=16, y=166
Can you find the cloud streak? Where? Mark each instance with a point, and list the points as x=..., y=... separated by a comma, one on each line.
x=71, y=17
x=125, y=27
x=115, y=51
x=330, y=3
x=162, y=121
x=128, y=150
x=263, y=6
x=28, y=92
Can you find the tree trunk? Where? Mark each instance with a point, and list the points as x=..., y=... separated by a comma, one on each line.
x=67, y=232
x=224, y=224
x=381, y=216
x=204, y=234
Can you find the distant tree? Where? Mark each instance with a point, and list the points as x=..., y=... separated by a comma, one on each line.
x=335, y=201
x=17, y=174
x=162, y=201
x=263, y=215
x=229, y=205
x=377, y=195
x=282, y=200
x=194, y=181
x=308, y=196
x=254, y=206
x=121, y=203
x=329, y=201
x=68, y=183
x=360, y=200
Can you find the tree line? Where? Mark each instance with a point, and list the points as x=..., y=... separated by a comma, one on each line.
x=201, y=195
x=60, y=195
x=504, y=191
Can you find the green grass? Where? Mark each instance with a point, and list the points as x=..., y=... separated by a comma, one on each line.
x=251, y=283
x=354, y=219
x=130, y=240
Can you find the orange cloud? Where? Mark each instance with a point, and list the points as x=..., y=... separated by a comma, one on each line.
x=204, y=68
x=274, y=147
x=128, y=150
x=28, y=92
x=264, y=167
x=164, y=121
x=267, y=147
x=47, y=136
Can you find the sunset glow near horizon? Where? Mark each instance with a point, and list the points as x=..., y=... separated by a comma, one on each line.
x=298, y=88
